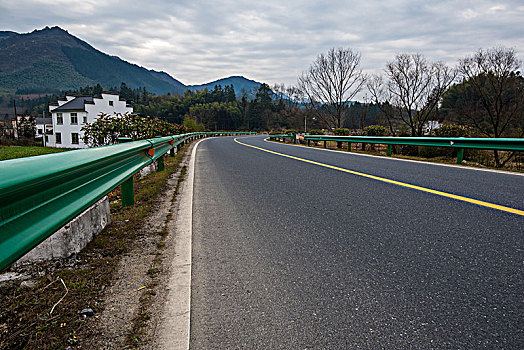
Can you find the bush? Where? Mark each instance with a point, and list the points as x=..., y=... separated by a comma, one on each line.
x=452, y=130
x=316, y=132
x=291, y=132
x=275, y=132
x=376, y=130
x=107, y=129
x=341, y=132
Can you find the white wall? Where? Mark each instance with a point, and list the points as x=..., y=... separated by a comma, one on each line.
x=91, y=113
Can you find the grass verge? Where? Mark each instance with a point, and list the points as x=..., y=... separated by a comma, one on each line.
x=46, y=316
x=13, y=152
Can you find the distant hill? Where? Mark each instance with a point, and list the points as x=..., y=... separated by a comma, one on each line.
x=52, y=60
x=56, y=60
x=6, y=34
x=239, y=83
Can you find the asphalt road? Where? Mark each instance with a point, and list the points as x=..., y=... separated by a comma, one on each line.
x=289, y=255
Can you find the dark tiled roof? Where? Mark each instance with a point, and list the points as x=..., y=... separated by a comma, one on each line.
x=78, y=104
x=41, y=121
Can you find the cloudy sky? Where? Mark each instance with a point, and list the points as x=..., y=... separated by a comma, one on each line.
x=272, y=41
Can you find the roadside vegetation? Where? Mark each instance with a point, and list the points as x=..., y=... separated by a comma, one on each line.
x=13, y=152
x=45, y=311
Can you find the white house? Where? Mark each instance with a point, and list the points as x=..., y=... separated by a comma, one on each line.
x=71, y=113
x=44, y=130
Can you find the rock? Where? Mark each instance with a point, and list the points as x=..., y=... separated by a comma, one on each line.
x=28, y=284
x=87, y=312
x=12, y=279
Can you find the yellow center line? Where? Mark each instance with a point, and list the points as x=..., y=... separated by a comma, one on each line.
x=398, y=183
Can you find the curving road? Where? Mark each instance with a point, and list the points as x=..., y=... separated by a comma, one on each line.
x=289, y=254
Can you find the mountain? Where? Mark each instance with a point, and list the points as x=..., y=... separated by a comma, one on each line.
x=52, y=59
x=240, y=84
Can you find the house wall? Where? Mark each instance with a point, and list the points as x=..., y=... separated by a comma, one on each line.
x=91, y=112
x=66, y=129
x=50, y=135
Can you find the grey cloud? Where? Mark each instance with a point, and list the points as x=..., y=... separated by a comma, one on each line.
x=272, y=41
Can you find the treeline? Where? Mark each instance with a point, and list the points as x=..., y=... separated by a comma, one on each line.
x=222, y=109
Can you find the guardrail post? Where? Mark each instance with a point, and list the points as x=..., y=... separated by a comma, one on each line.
x=389, y=150
x=160, y=163
x=349, y=146
x=127, y=188
x=325, y=144
x=308, y=143
x=460, y=155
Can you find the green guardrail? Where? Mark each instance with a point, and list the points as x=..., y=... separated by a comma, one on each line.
x=460, y=143
x=39, y=195
x=283, y=137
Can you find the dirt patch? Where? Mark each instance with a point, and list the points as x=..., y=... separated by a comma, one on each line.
x=116, y=276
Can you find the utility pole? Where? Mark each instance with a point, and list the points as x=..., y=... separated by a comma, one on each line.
x=305, y=125
x=16, y=121
x=45, y=130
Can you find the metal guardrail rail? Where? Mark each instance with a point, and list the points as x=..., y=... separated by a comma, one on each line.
x=39, y=195
x=460, y=143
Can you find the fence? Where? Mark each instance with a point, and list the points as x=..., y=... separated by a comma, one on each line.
x=459, y=143
x=38, y=195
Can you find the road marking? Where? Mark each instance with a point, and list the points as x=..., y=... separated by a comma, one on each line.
x=394, y=182
x=505, y=172
x=174, y=330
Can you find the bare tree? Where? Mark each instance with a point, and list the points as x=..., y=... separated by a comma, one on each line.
x=413, y=87
x=330, y=83
x=495, y=89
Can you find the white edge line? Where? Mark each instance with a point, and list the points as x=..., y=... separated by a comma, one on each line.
x=175, y=333
x=404, y=160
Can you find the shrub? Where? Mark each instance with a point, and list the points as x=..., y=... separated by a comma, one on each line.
x=341, y=132
x=107, y=129
x=316, y=132
x=376, y=130
x=291, y=132
x=452, y=130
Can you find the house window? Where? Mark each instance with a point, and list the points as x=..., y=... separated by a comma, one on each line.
x=74, y=138
x=110, y=103
x=58, y=137
x=74, y=119
x=84, y=120
x=59, y=119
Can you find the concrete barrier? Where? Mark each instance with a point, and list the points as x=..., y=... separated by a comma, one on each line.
x=72, y=237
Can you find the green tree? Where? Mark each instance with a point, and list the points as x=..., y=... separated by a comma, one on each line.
x=490, y=97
